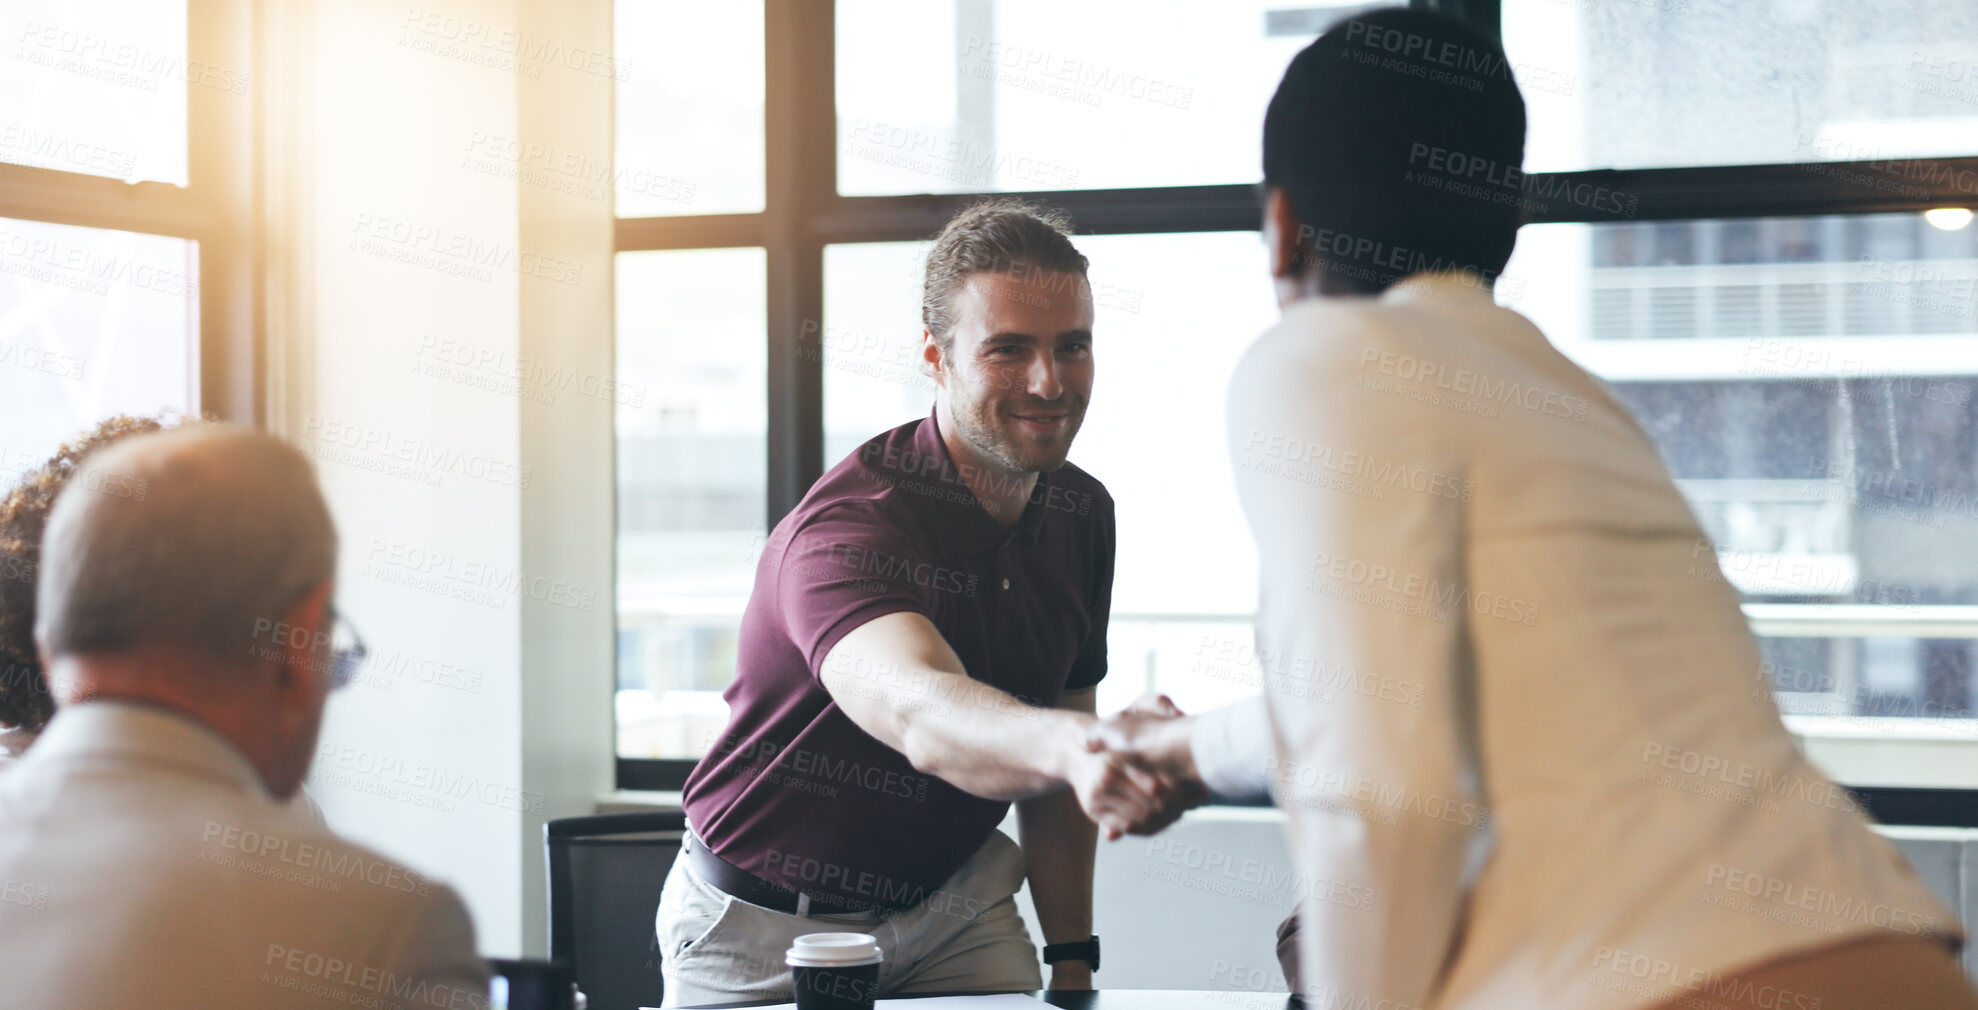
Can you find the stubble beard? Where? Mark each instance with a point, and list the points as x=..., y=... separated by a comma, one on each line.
x=983, y=434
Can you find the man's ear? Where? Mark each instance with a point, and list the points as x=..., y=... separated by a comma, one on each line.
x=1284, y=234
x=930, y=354
x=304, y=650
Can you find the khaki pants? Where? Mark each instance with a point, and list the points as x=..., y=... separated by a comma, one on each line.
x=967, y=937
x=1877, y=973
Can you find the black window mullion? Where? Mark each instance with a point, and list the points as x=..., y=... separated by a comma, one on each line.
x=1149, y=211
x=799, y=124
x=696, y=231
x=1730, y=191
x=1647, y=194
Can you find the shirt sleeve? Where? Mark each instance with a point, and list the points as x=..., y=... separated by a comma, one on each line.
x=846, y=566
x=1232, y=749
x=1090, y=666
x=1361, y=579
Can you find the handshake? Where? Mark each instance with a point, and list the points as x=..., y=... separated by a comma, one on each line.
x=1136, y=773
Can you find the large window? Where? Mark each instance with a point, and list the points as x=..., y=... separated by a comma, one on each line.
x=691, y=427
x=1814, y=401
x=100, y=88
x=95, y=323
x=689, y=108
x=978, y=96
x=1657, y=83
x=1728, y=225
x=126, y=261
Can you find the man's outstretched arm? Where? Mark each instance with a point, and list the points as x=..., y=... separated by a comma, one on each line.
x=897, y=679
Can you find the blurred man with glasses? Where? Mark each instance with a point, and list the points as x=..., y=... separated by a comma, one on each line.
x=183, y=616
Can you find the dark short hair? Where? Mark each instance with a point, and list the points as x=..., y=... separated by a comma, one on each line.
x=1399, y=138
x=994, y=236
x=24, y=700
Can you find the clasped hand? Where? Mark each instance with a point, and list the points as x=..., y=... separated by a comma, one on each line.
x=1136, y=773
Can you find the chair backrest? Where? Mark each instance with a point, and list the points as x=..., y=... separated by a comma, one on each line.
x=605, y=875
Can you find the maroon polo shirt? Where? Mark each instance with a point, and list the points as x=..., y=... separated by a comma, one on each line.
x=797, y=794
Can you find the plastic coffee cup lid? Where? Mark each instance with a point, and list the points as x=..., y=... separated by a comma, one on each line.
x=833, y=950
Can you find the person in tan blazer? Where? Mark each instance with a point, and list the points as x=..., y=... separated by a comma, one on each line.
x=146, y=854
x=1509, y=709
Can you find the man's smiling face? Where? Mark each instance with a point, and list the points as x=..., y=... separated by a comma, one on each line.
x=1017, y=372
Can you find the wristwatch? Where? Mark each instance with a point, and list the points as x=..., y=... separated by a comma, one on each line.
x=1083, y=950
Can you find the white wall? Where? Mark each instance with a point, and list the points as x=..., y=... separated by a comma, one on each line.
x=432, y=322
x=1195, y=907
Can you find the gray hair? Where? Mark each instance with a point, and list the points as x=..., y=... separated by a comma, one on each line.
x=188, y=536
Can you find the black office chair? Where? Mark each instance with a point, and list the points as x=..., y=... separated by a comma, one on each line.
x=605, y=875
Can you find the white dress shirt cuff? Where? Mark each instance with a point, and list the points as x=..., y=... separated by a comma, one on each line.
x=1231, y=745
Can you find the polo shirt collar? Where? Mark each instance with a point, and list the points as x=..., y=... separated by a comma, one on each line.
x=979, y=529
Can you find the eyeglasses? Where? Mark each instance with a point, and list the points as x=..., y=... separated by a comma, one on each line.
x=347, y=650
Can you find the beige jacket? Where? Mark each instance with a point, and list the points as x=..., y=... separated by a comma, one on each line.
x=1512, y=708
x=143, y=865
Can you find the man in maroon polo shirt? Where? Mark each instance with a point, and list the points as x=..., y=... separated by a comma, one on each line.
x=920, y=650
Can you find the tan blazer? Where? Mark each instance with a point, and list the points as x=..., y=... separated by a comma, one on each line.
x=143, y=865
x=1525, y=745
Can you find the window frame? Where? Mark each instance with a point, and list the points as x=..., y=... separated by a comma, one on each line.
x=803, y=213
x=218, y=209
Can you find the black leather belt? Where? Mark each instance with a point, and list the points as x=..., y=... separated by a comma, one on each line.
x=739, y=883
